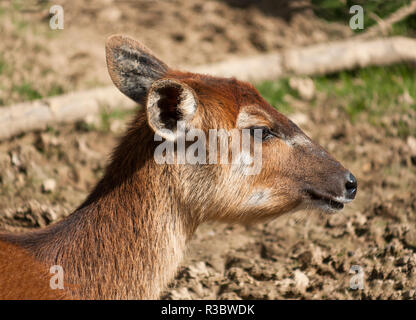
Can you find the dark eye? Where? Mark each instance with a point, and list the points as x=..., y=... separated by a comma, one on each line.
x=266, y=133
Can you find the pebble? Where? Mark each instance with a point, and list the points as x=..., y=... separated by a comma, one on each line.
x=50, y=215
x=48, y=185
x=198, y=269
x=117, y=126
x=336, y=220
x=305, y=87
x=15, y=160
x=301, y=280
x=181, y=294
x=300, y=119
x=411, y=142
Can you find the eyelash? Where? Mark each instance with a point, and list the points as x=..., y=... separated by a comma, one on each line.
x=266, y=133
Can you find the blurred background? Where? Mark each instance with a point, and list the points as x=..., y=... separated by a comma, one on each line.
x=365, y=117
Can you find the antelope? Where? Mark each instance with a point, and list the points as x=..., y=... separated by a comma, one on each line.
x=126, y=240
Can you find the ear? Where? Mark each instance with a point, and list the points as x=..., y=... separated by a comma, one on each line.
x=132, y=67
x=169, y=102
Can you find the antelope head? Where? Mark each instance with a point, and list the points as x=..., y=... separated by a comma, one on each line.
x=296, y=173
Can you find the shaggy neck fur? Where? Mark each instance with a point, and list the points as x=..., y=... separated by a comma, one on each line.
x=127, y=239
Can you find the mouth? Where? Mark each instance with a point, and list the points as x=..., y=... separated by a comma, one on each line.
x=327, y=202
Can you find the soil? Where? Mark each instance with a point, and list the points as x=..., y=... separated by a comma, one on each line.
x=180, y=32
x=45, y=175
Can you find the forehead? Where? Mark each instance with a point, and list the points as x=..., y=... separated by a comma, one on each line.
x=228, y=98
x=240, y=93
x=226, y=90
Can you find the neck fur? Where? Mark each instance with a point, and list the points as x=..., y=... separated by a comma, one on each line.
x=127, y=239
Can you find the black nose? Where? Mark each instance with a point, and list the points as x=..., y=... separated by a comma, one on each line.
x=351, y=186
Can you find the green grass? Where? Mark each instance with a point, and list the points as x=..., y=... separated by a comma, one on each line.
x=105, y=120
x=17, y=4
x=107, y=116
x=27, y=91
x=373, y=90
x=2, y=65
x=338, y=11
x=55, y=90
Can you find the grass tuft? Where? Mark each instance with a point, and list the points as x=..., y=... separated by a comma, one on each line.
x=27, y=91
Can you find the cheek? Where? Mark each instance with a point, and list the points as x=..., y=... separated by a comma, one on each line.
x=271, y=192
x=277, y=156
x=276, y=186
x=277, y=165
x=267, y=203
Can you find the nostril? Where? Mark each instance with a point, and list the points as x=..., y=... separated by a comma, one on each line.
x=351, y=185
x=351, y=181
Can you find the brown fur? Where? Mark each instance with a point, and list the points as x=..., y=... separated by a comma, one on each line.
x=30, y=281
x=128, y=237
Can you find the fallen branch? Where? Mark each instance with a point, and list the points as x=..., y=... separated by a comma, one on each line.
x=349, y=54
x=316, y=59
x=37, y=115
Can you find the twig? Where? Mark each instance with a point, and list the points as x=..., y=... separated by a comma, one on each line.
x=383, y=25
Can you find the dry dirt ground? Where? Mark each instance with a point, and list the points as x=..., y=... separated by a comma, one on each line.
x=36, y=61
x=45, y=175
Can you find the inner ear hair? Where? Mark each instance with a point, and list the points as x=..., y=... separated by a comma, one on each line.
x=168, y=102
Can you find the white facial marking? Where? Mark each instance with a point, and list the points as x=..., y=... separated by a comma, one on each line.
x=246, y=119
x=342, y=200
x=298, y=140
